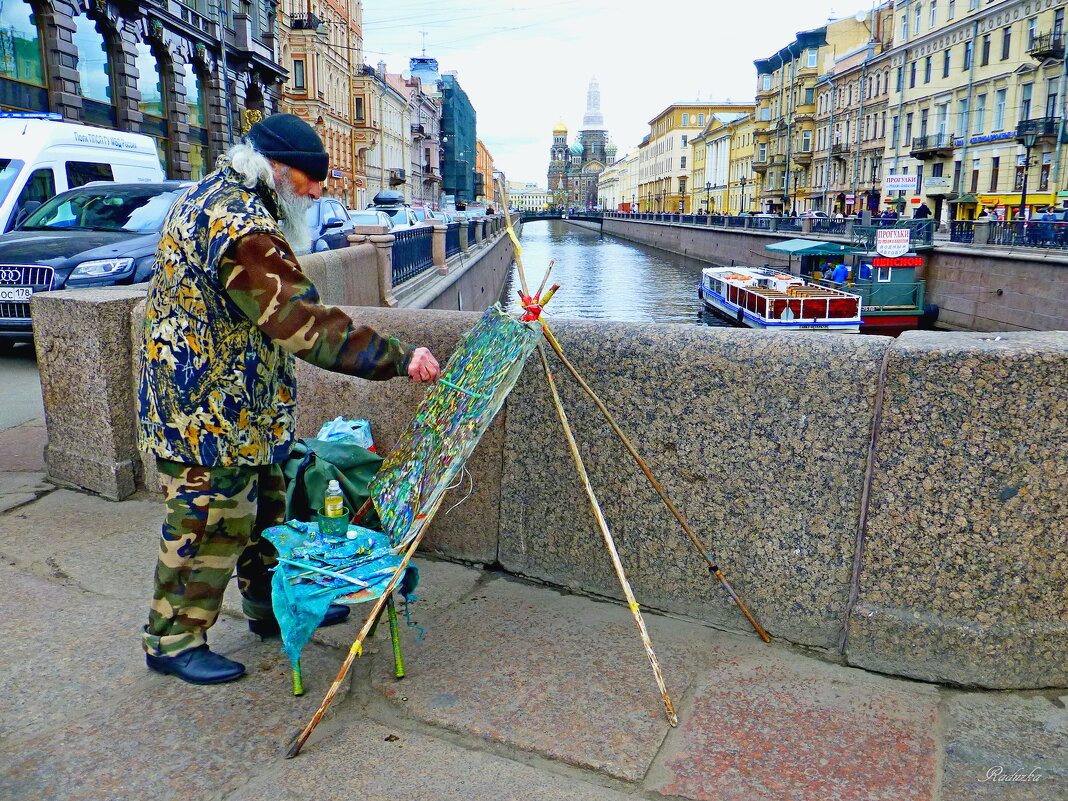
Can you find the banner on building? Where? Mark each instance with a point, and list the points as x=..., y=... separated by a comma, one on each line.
x=892, y=242
x=899, y=183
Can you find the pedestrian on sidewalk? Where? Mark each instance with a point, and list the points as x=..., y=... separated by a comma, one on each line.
x=227, y=311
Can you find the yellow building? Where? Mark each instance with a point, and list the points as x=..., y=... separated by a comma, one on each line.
x=320, y=44
x=664, y=171
x=698, y=197
x=971, y=85
x=712, y=150
x=743, y=184
x=484, y=186
x=786, y=105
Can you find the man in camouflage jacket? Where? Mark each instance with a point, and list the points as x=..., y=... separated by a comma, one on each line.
x=227, y=311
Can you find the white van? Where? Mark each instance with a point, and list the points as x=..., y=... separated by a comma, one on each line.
x=41, y=156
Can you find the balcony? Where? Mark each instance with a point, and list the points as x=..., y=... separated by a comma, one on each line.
x=760, y=165
x=305, y=22
x=931, y=146
x=840, y=150
x=397, y=177
x=803, y=157
x=778, y=159
x=1047, y=45
x=1041, y=127
x=431, y=175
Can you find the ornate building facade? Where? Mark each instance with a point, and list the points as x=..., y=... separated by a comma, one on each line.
x=574, y=169
x=189, y=74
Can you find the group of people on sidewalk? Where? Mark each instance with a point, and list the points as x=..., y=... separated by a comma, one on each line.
x=228, y=310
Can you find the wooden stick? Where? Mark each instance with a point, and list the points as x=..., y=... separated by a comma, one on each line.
x=394, y=636
x=713, y=568
x=513, y=237
x=635, y=609
x=545, y=278
x=357, y=646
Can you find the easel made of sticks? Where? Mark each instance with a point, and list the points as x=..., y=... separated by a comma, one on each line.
x=533, y=306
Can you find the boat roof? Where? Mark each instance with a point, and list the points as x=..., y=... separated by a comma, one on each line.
x=812, y=247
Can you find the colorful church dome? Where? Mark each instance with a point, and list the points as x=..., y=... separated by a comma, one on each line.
x=560, y=128
x=576, y=149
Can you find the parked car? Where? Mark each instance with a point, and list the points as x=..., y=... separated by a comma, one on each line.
x=814, y=215
x=330, y=225
x=99, y=234
x=392, y=203
x=370, y=217
x=421, y=214
x=41, y=156
x=443, y=216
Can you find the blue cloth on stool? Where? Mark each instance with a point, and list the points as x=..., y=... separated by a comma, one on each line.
x=301, y=594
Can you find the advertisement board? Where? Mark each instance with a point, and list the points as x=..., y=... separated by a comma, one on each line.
x=899, y=183
x=892, y=242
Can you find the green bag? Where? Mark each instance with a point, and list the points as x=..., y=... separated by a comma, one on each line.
x=313, y=463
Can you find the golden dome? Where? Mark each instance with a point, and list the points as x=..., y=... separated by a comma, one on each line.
x=560, y=128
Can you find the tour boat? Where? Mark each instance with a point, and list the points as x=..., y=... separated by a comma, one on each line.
x=760, y=297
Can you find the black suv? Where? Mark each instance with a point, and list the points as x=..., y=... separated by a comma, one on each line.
x=99, y=234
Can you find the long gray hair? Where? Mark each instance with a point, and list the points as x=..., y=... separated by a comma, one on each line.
x=253, y=167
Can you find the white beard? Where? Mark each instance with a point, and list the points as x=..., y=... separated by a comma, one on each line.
x=293, y=211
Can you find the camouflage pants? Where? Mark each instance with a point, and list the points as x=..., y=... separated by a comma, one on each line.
x=214, y=519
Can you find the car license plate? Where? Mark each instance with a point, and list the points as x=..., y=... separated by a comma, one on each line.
x=18, y=294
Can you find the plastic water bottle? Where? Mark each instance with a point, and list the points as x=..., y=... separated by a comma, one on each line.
x=334, y=502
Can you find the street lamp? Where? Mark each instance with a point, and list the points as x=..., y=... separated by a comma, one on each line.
x=797, y=183
x=1028, y=140
x=708, y=197
x=741, y=207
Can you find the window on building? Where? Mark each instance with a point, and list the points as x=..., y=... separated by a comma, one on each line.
x=904, y=26
x=1025, y=100
x=943, y=120
x=979, y=115
x=684, y=140
x=936, y=169
x=150, y=85
x=812, y=56
x=806, y=141
x=700, y=119
x=682, y=186
x=94, y=73
x=895, y=126
x=951, y=11
x=975, y=176
x=912, y=75
x=1051, y=97
x=908, y=129
x=765, y=114
x=765, y=82
x=1006, y=42
x=962, y=117
x=357, y=107
x=927, y=70
x=973, y=4
x=22, y=76
x=945, y=61
x=923, y=122
x=298, y=79
x=919, y=177
x=762, y=151
x=900, y=79
x=918, y=20
x=934, y=9
x=1058, y=22
x=810, y=95
x=995, y=164
x=1017, y=183
x=197, y=110
x=682, y=163
x=1032, y=24
x=966, y=62
x=999, y=109
x=685, y=119
x=1043, y=173
x=984, y=51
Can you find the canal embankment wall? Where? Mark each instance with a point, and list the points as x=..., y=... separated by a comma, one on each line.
x=899, y=505
x=976, y=288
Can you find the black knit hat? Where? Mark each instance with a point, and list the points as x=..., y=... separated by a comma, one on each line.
x=288, y=139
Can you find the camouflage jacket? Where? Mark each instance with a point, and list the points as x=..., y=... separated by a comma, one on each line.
x=227, y=309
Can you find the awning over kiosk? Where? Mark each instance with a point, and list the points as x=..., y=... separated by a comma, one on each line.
x=812, y=247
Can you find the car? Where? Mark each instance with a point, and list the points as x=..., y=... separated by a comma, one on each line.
x=814, y=215
x=329, y=223
x=371, y=217
x=392, y=203
x=443, y=216
x=100, y=234
x=421, y=214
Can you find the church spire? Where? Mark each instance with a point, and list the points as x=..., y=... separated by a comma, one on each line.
x=593, y=121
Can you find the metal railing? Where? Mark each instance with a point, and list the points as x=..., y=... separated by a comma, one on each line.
x=471, y=226
x=1039, y=126
x=1030, y=234
x=413, y=252
x=931, y=142
x=922, y=232
x=452, y=239
x=825, y=225
x=962, y=231
x=1045, y=45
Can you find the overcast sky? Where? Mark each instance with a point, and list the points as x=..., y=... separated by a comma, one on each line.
x=526, y=65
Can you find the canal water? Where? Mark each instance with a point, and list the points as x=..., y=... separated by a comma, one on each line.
x=604, y=278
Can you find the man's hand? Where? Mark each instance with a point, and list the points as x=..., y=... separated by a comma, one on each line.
x=423, y=366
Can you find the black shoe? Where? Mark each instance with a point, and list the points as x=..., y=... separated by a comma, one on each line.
x=335, y=613
x=197, y=666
